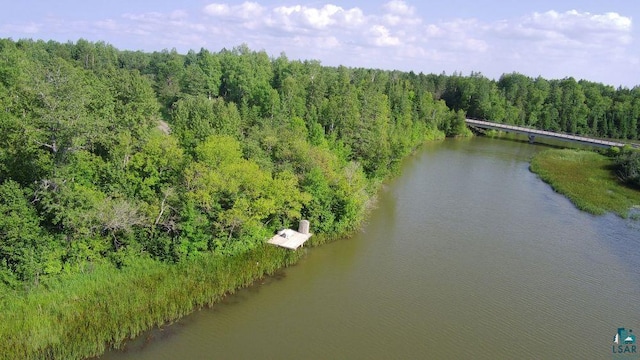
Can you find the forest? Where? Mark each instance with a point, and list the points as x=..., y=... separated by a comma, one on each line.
x=113, y=160
x=109, y=155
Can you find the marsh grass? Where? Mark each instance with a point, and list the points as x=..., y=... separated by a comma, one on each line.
x=83, y=315
x=587, y=179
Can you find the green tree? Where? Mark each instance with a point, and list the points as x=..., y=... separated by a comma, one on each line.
x=68, y=109
x=628, y=167
x=534, y=106
x=246, y=80
x=194, y=118
x=598, y=107
x=158, y=165
x=136, y=108
x=573, y=111
x=210, y=65
x=368, y=135
x=167, y=68
x=26, y=250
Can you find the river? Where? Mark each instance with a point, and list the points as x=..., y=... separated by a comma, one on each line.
x=467, y=256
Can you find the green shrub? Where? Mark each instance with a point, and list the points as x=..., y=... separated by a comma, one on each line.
x=628, y=167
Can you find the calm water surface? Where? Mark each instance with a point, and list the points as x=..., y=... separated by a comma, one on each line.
x=468, y=256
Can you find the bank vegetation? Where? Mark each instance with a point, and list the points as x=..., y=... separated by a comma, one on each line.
x=137, y=187
x=594, y=182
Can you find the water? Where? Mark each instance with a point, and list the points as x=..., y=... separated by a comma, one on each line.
x=468, y=256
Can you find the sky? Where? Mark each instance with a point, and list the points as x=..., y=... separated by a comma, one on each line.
x=595, y=40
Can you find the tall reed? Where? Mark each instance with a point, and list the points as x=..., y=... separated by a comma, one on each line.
x=83, y=315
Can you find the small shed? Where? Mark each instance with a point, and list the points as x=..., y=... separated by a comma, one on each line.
x=292, y=239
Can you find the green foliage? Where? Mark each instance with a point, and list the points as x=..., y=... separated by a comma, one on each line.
x=21, y=159
x=167, y=68
x=158, y=165
x=319, y=210
x=68, y=112
x=628, y=167
x=236, y=196
x=457, y=125
x=82, y=314
x=586, y=178
x=26, y=251
x=96, y=201
x=565, y=105
x=194, y=118
x=135, y=104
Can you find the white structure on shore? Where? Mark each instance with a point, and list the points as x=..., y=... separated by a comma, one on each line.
x=292, y=239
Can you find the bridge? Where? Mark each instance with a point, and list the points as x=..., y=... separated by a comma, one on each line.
x=533, y=133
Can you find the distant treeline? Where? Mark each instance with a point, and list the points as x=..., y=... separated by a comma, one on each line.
x=570, y=106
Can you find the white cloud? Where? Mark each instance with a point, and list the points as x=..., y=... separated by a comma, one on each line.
x=108, y=24
x=217, y=9
x=28, y=28
x=560, y=44
x=395, y=36
x=432, y=30
x=571, y=28
x=574, y=19
x=382, y=37
x=323, y=42
x=303, y=17
x=246, y=11
x=398, y=13
x=399, y=7
x=250, y=10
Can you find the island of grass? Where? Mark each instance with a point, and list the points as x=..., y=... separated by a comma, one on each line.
x=588, y=179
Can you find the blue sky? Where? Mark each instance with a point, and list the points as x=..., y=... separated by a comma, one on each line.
x=586, y=39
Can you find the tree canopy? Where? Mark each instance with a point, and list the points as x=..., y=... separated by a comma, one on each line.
x=109, y=155
x=112, y=156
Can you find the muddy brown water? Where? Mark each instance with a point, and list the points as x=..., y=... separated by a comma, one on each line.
x=468, y=255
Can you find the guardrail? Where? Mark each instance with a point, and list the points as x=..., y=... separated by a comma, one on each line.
x=550, y=134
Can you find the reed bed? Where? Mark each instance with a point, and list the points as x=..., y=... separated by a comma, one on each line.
x=587, y=179
x=83, y=315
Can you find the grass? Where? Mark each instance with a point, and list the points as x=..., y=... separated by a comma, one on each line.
x=84, y=314
x=587, y=179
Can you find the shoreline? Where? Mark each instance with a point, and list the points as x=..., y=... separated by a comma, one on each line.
x=586, y=179
x=84, y=315
x=118, y=306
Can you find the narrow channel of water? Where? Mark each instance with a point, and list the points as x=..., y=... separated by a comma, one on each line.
x=468, y=255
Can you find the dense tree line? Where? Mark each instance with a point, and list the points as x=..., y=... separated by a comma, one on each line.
x=112, y=156
x=566, y=105
x=135, y=187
